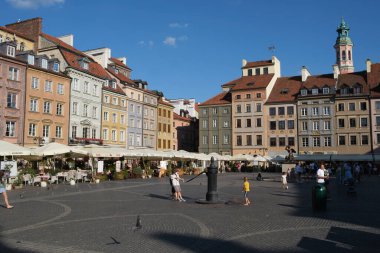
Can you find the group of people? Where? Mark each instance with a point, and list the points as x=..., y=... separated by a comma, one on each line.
x=175, y=186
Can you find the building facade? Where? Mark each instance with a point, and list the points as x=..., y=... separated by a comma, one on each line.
x=165, y=125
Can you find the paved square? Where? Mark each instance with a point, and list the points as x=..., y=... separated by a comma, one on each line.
x=102, y=218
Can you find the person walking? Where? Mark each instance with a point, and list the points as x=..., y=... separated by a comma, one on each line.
x=177, y=187
x=284, y=181
x=3, y=190
x=246, y=190
x=173, y=195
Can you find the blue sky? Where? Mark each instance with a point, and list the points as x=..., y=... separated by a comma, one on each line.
x=188, y=48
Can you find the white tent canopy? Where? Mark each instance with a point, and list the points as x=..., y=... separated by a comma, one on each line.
x=242, y=157
x=55, y=148
x=104, y=151
x=10, y=149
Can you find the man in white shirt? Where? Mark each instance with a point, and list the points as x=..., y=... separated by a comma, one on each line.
x=321, y=175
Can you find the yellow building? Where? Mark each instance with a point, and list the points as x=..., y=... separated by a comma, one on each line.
x=23, y=43
x=114, y=115
x=165, y=123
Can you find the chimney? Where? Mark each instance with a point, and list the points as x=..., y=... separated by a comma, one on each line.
x=68, y=39
x=123, y=60
x=244, y=62
x=304, y=73
x=336, y=71
x=30, y=28
x=368, y=64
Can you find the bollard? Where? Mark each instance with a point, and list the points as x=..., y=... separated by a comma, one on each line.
x=212, y=185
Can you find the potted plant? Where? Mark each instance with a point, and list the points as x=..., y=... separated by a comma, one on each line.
x=137, y=172
x=149, y=172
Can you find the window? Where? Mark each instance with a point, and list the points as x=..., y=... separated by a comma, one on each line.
x=145, y=112
x=214, y=111
x=115, y=101
x=249, y=72
x=13, y=74
x=281, y=111
x=56, y=66
x=281, y=124
x=326, y=90
x=265, y=70
x=305, y=142
x=273, y=142
x=95, y=90
x=214, y=123
x=45, y=130
x=377, y=138
x=342, y=140
x=247, y=96
x=315, y=111
x=11, y=51
x=290, y=124
x=257, y=71
x=58, y=131
x=238, y=108
x=47, y=106
x=249, y=140
x=225, y=124
x=214, y=139
x=205, y=123
x=204, y=139
x=259, y=140
x=272, y=125
x=107, y=99
x=248, y=108
x=60, y=89
x=48, y=86
x=76, y=84
x=290, y=110
x=105, y=116
x=238, y=97
x=32, y=129
x=314, y=91
x=238, y=140
x=365, y=140
x=363, y=122
x=304, y=126
x=340, y=107
x=225, y=110
x=238, y=123
x=151, y=112
x=258, y=95
x=352, y=122
x=131, y=122
x=303, y=111
x=122, y=119
x=353, y=140
x=258, y=122
x=291, y=141
x=363, y=106
x=272, y=111
x=74, y=132
x=316, y=142
x=34, y=105
x=85, y=87
x=281, y=141
x=35, y=82
x=377, y=105
x=114, y=118
x=258, y=107
x=44, y=63
x=344, y=91
x=327, y=141
x=204, y=111
x=113, y=134
x=59, y=109
x=11, y=100
x=85, y=65
x=248, y=123
x=340, y=123
x=303, y=92
x=377, y=120
x=315, y=125
x=357, y=90
x=327, y=125
x=94, y=112
x=326, y=110
x=351, y=106
x=85, y=110
x=226, y=139
x=10, y=129
x=105, y=134
x=122, y=136
x=132, y=108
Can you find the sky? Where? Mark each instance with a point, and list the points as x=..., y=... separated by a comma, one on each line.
x=189, y=48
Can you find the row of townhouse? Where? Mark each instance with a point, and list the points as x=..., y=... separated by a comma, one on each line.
x=262, y=112
x=51, y=91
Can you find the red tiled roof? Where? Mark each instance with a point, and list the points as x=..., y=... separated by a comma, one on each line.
x=255, y=64
x=350, y=79
x=285, y=90
x=94, y=68
x=5, y=29
x=178, y=117
x=60, y=43
x=160, y=101
x=220, y=99
x=250, y=82
x=374, y=80
x=120, y=76
x=319, y=81
x=119, y=63
x=116, y=90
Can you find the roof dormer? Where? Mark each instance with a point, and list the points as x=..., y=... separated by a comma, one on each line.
x=42, y=61
x=84, y=63
x=54, y=64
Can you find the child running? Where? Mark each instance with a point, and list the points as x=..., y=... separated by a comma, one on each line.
x=246, y=190
x=284, y=181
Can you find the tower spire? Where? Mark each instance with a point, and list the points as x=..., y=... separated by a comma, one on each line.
x=343, y=47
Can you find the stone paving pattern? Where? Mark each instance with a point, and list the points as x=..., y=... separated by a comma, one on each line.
x=101, y=218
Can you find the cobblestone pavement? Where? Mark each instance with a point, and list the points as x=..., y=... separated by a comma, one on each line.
x=102, y=218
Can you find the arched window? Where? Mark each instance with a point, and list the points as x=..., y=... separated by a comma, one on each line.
x=349, y=55
x=338, y=56
x=22, y=46
x=343, y=55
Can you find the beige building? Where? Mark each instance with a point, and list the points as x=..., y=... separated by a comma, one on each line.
x=165, y=125
x=249, y=93
x=47, y=106
x=23, y=43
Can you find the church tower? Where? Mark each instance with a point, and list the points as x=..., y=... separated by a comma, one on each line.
x=343, y=47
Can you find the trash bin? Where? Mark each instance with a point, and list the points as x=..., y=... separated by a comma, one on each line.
x=319, y=197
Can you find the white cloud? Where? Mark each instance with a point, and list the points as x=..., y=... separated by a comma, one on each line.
x=178, y=25
x=33, y=4
x=170, y=41
x=148, y=43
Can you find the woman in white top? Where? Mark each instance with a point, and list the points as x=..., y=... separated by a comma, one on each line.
x=175, y=181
